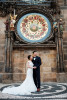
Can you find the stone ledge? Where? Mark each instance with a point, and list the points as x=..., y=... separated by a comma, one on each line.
x=5, y=77
x=63, y=7
x=7, y=81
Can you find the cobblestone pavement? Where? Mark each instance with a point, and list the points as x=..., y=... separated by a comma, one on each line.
x=52, y=91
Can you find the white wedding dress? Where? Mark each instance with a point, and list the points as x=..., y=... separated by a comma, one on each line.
x=26, y=87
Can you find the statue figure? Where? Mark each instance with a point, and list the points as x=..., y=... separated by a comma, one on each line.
x=7, y=25
x=12, y=22
x=61, y=25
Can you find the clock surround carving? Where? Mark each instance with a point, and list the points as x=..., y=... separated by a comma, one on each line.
x=31, y=10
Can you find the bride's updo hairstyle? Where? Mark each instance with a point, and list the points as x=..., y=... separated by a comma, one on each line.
x=29, y=57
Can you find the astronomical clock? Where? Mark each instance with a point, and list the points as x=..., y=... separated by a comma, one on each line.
x=33, y=28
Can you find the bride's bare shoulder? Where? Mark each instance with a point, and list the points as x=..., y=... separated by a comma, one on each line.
x=28, y=61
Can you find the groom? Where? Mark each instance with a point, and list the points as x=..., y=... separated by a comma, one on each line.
x=36, y=71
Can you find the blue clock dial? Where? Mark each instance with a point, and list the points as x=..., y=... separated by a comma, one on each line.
x=34, y=27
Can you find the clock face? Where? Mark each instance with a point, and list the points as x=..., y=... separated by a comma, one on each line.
x=33, y=27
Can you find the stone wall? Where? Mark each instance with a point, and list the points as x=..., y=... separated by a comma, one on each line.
x=48, y=67
x=64, y=13
x=61, y=2
x=62, y=77
x=19, y=58
x=2, y=47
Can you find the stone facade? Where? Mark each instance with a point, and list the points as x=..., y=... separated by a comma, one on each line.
x=2, y=46
x=62, y=77
x=64, y=13
x=48, y=67
x=19, y=58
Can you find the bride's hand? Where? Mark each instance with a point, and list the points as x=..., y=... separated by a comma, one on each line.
x=34, y=67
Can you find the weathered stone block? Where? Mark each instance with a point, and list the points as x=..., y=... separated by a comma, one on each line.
x=2, y=41
x=52, y=56
x=7, y=76
x=1, y=58
x=49, y=75
x=0, y=78
x=54, y=69
x=2, y=25
x=50, y=80
x=18, y=77
x=65, y=56
x=65, y=35
x=1, y=66
x=2, y=36
x=19, y=70
x=46, y=69
x=62, y=77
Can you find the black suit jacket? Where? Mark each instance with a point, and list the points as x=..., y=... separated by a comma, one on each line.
x=36, y=61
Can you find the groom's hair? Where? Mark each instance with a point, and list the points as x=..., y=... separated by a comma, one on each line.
x=34, y=52
x=29, y=57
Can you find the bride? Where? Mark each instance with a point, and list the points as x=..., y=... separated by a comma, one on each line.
x=27, y=86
